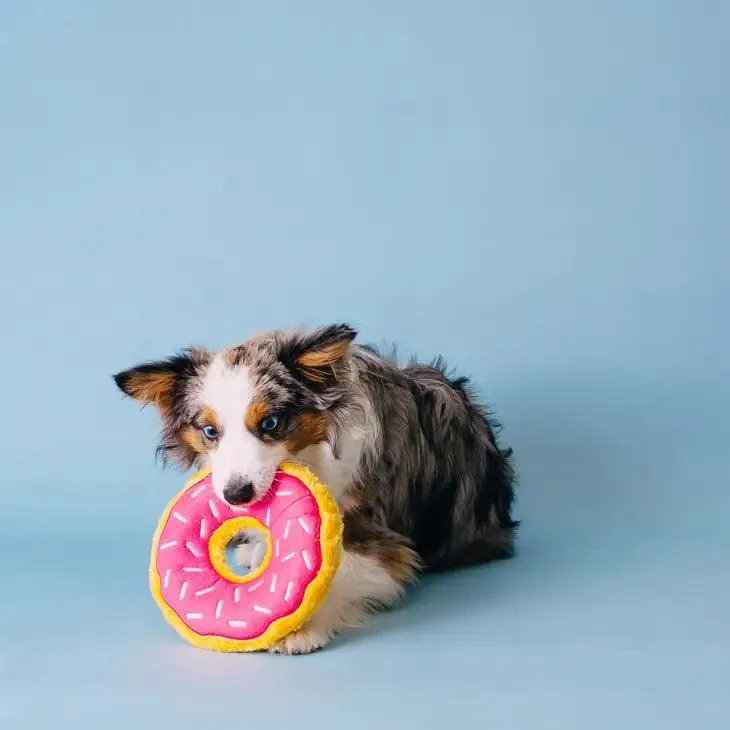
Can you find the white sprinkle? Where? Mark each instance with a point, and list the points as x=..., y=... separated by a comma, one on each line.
x=237, y=624
x=203, y=591
x=218, y=609
x=256, y=585
x=284, y=493
x=307, y=559
x=192, y=570
x=193, y=549
x=238, y=509
x=273, y=584
x=179, y=517
x=287, y=527
x=183, y=591
x=196, y=492
x=213, y=509
x=236, y=595
x=166, y=581
x=203, y=528
x=276, y=548
x=261, y=609
x=289, y=556
x=267, y=521
x=193, y=616
x=289, y=590
x=304, y=525
x=166, y=545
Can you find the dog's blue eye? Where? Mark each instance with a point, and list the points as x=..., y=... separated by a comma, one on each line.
x=210, y=432
x=269, y=424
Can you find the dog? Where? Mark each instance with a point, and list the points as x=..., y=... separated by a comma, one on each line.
x=410, y=455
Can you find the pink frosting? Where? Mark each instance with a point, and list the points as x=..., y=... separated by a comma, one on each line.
x=210, y=604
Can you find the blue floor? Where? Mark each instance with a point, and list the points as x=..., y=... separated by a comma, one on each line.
x=537, y=190
x=614, y=612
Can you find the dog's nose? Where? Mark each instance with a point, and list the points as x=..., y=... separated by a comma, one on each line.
x=238, y=491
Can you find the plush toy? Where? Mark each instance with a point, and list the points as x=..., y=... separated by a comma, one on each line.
x=206, y=600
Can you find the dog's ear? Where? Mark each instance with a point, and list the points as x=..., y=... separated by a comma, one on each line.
x=154, y=382
x=316, y=355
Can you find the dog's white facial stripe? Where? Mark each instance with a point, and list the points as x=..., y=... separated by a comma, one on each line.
x=229, y=391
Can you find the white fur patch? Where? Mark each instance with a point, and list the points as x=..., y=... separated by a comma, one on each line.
x=356, y=436
x=229, y=391
x=361, y=583
x=250, y=555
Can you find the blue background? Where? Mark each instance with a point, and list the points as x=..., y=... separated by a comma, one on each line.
x=536, y=190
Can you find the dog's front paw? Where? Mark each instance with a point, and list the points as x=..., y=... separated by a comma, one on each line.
x=304, y=641
x=249, y=555
x=243, y=555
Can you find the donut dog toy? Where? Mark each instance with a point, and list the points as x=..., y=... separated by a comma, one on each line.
x=212, y=606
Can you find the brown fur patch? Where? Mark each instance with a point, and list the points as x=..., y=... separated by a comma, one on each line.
x=256, y=411
x=310, y=429
x=190, y=436
x=316, y=375
x=393, y=551
x=324, y=356
x=152, y=388
x=209, y=417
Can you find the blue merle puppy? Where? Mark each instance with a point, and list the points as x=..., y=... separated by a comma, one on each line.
x=412, y=459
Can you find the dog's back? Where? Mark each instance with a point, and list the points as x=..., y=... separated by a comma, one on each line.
x=438, y=476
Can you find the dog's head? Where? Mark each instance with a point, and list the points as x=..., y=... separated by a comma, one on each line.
x=246, y=409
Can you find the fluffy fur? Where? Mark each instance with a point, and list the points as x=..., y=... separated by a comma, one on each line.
x=411, y=457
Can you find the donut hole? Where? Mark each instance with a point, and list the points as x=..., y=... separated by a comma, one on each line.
x=246, y=551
